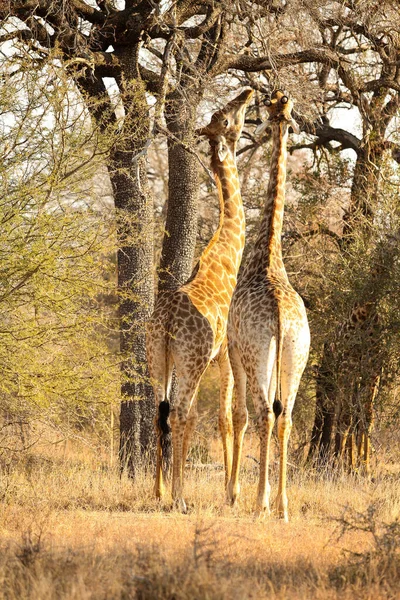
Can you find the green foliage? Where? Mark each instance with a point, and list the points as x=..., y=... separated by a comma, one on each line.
x=58, y=348
x=334, y=271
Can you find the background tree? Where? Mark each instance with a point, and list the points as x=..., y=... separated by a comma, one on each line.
x=58, y=349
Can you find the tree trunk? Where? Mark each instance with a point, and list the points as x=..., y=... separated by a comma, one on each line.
x=364, y=189
x=134, y=217
x=135, y=285
x=134, y=213
x=183, y=189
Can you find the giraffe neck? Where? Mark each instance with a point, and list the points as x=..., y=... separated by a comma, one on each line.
x=267, y=252
x=226, y=246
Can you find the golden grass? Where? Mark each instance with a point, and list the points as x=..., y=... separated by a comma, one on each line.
x=70, y=527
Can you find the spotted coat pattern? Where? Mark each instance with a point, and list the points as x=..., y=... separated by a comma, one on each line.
x=188, y=326
x=360, y=374
x=268, y=331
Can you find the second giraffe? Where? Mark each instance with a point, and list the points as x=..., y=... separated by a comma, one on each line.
x=268, y=331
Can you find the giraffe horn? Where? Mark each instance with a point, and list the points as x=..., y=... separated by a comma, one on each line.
x=295, y=126
x=201, y=131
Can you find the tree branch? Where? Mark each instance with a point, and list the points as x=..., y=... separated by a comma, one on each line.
x=316, y=229
x=106, y=64
x=151, y=79
x=354, y=27
x=394, y=149
x=89, y=13
x=376, y=84
x=209, y=21
x=326, y=133
x=170, y=135
x=248, y=63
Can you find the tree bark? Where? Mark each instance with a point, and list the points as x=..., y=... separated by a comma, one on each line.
x=364, y=189
x=134, y=218
x=135, y=285
x=183, y=190
x=134, y=214
x=135, y=264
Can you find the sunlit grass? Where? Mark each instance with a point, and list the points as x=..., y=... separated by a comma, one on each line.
x=72, y=527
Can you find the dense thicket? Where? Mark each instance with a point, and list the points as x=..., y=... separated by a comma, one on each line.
x=58, y=349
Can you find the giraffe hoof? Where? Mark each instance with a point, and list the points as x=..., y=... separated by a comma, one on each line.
x=282, y=514
x=262, y=512
x=281, y=508
x=283, y=517
x=158, y=493
x=232, y=496
x=180, y=505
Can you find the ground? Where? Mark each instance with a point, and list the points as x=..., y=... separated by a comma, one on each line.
x=70, y=527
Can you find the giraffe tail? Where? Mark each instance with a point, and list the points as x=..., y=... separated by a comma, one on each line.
x=164, y=406
x=163, y=415
x=165, y=434
x=277, y=406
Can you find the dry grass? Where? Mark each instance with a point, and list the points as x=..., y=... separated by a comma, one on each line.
x=70, y=527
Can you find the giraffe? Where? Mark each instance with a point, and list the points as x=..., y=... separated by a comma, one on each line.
x=358, y=385
x=268, y=332
x=349, y=377
x=188, y=325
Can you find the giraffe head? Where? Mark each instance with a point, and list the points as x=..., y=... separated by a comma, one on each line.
x=279, y=107
x=226, y=125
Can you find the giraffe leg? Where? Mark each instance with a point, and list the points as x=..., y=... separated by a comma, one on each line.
x=225, y=410
x=343, y=435
x=366, y=440
x=186, y=395
x=159, y=487
x=284, y=428
x=178, y=424
x=343, y=430
x=189, y=429
x=360, y=445
x=239, y=421
x=345, y=445
x=294, y=359
x=191, y=358
x=266, y=421
x=369, y=421
x=367, y=453
x=351, y=448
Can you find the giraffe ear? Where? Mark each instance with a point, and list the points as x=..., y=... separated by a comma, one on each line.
x=222, y=150
x=261, y=128
x=294, y=126
x=201, y=131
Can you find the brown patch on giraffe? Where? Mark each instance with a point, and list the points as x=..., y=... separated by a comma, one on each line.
x=196, y=313
x=267, y=327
